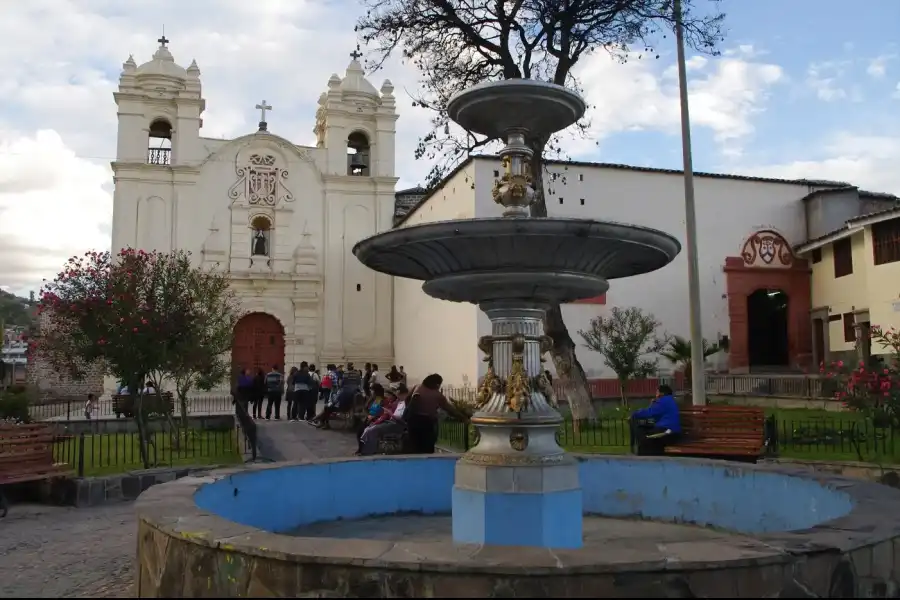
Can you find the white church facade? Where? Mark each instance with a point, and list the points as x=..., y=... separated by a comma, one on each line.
x=274, y=215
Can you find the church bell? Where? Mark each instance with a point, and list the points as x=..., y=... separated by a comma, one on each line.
x=357, y=164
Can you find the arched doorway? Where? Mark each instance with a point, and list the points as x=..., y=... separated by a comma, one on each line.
x=766, y=264
x=767, y=328
x=258, y=343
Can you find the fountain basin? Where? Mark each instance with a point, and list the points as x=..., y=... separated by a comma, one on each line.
x=548, y=259
x=494, y=108
x=801, y=535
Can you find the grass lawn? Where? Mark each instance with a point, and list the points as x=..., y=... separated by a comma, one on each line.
x=801, y=434
x=111, y=453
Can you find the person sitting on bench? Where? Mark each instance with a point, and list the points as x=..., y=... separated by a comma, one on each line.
x=666, y=427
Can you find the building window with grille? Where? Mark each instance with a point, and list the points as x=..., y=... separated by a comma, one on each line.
x=886, y=241
x=843, y=258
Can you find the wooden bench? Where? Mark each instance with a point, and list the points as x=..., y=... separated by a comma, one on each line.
x=733, y=432
x=352, y=415
x=394, y=443
x=123, y=404
x=26, y=454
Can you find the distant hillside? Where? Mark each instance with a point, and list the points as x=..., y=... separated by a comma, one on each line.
x=15, y=310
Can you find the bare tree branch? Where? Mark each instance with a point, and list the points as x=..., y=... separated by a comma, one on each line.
x=456, y=44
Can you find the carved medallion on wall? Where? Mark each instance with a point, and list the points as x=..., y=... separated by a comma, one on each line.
x=767, y=248
x=261, y=182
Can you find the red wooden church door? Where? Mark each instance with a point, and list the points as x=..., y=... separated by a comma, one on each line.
x=258, y=343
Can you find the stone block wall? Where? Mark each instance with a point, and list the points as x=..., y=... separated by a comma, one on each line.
x=53, y=385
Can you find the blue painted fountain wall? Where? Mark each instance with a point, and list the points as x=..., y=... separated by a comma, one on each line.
x=728, y=496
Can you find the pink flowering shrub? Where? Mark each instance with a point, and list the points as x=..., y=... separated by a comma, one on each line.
x=873, y=390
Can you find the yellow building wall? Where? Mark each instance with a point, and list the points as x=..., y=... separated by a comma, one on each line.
x=883, y=292
x=869, y=287
x=436, y=336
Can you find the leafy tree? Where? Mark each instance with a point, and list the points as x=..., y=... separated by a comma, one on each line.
x=678, y=352
x=143, y=315
x=627, y=339
x=200, y=360
x=456, y=44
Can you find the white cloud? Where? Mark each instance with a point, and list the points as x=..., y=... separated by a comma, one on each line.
x=724, y=94
x=878, y=66
x=867, y=161
x=824, y=80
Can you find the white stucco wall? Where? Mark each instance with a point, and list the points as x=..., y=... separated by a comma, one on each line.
x=728, y=210
x=434, y=335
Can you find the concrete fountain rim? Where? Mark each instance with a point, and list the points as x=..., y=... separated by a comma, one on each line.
x=170, y=508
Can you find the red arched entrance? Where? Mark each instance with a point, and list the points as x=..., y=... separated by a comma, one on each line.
x=767, y=263
x=258, y=343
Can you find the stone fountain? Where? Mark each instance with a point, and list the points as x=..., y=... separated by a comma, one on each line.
x=517, y=486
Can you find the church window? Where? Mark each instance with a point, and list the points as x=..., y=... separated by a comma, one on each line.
x=886, y=241
x=159, y=150
x=358, y=154
x=261, y=236
x=843, y=258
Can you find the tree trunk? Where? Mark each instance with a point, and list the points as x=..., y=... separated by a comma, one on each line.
x=568, y=368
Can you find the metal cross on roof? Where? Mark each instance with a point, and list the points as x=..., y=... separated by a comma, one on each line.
x=356, y=54
x=163, y=41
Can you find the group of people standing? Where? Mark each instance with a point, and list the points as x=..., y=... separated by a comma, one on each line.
x=304, y=386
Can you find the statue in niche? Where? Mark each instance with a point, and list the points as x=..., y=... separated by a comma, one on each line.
x=260, y=243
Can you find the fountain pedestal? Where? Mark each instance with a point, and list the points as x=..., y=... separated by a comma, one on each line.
x=517, y=473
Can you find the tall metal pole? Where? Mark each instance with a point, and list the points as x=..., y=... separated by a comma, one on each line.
x=698, y=372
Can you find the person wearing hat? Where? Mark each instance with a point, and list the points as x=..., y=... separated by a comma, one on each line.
x=390, y=421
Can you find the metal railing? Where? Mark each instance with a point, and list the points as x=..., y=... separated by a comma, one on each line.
x=74, y=410
x=810, y=387
x=93, y=454
x=159, y=156
x=845, y=438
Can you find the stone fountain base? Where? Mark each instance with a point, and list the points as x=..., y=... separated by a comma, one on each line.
x=307, y=530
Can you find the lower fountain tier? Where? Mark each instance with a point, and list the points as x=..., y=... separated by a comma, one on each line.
x=549, y=259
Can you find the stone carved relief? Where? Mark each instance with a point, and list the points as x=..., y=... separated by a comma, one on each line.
x=767, y=248
x=261, y=182
x=305, y=253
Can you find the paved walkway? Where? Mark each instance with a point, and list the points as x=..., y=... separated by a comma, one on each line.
x=63, y=552
x=284, y=440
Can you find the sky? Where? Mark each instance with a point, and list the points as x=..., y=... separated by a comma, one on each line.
x=804, y=88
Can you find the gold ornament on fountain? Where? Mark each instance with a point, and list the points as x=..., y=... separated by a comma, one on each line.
x=489, y=386
x=543, y=385
x=517, y=387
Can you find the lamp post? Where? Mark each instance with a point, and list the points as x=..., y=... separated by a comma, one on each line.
x=698, y=373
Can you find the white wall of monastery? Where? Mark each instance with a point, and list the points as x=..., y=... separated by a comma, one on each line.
x=435, y=335
x=728, y=211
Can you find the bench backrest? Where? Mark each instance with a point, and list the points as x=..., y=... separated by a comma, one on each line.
x=730, y=422
x=23, y=447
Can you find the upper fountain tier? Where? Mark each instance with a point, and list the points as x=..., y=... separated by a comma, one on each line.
x=539, y=260
x=495, y=108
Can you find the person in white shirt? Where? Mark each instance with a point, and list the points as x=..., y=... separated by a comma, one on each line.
x=378, y=377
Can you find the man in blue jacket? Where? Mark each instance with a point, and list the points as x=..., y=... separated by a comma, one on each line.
x=666, y=423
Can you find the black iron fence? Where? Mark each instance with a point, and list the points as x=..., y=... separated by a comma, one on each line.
x=848, y=437
x=95, y=454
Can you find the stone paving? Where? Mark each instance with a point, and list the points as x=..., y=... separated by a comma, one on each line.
x=63, y=552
